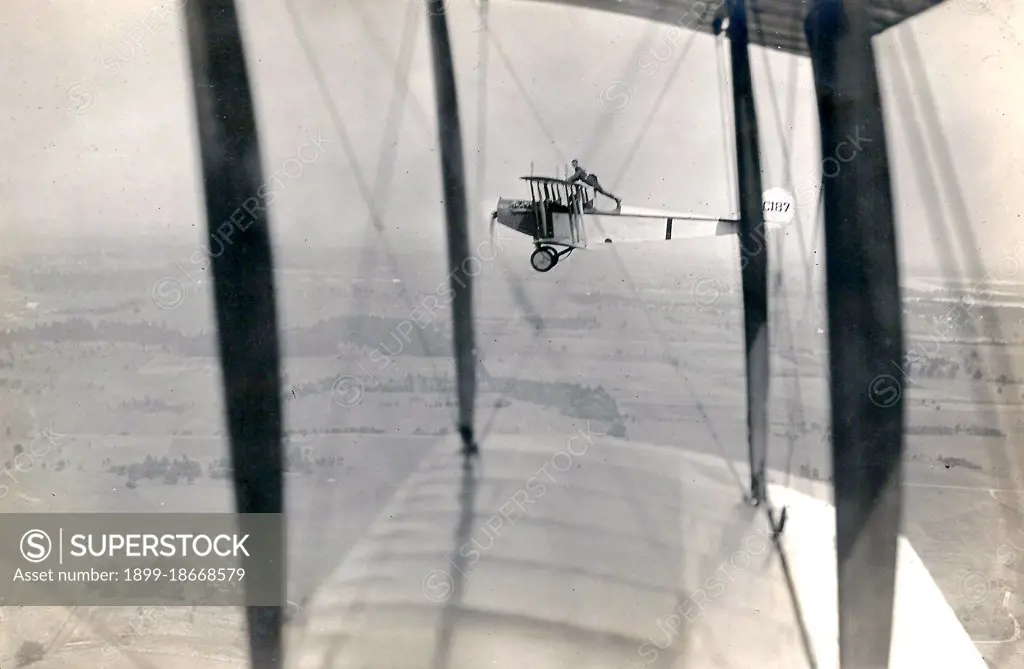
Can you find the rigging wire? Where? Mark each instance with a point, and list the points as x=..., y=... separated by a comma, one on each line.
x=753, y=263
x=481, y=109
x=819, y=222
x=385, y=170
x=486, y=38
x=797, y=413
x=369, y=263
x=795, y=403
x=725, y=109
x=524, y=94
x=376, y=220
x=594, y=143
x=422, y=118
x=518, y=292
x=604, y=121
x=674, y=362
x=449, y=187
x=666, y=348
x=220, y=173
x=516, y=287
x=244, y=297
x=646, y=125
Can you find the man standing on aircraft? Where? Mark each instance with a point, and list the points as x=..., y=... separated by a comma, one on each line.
x=591, y=180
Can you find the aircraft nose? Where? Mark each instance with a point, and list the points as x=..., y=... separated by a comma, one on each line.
x=498, y=210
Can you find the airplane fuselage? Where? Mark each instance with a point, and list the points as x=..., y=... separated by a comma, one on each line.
x=519, y=215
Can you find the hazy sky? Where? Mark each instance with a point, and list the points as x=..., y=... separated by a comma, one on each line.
x=99, y=136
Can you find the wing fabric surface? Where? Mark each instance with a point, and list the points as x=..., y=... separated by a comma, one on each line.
x=641, y=212
x=780, y=29
x=635, y=225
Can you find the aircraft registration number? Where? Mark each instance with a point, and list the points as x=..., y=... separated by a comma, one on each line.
x=520, y=205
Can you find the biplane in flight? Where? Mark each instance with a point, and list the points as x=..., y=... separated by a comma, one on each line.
x=557, y=209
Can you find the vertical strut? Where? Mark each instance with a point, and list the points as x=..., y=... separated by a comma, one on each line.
x=243, y=278
x=454, y=180
x=865, y=329
x=753, y=250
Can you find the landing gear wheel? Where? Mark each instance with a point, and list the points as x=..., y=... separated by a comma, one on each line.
x=543, y=259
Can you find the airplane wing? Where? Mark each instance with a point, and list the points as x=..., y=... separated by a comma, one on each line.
x=643, y=212
x=650, y=225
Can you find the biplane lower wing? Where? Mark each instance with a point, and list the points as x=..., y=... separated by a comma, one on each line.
x=670, y=225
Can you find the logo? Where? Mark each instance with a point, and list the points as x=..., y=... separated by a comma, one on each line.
x=616, y=97
x=36, y=546
x=168, y=293
x=79, y=97
x=438, y=586
x=347, y=391
x=707, y=291
x=885, y=391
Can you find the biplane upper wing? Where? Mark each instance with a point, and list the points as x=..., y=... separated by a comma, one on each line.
x=671, y=225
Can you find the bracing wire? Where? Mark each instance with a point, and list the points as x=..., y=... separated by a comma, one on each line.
x=258, y=484
x=753, y=263
x=796, y=409
x=819, y=218
x=725, y=108
x=675, y=363
x=647, y=123
x=378, y=200
x=519, y=294
x=645, y=126
x=215, y=174
x=666, y=349
x=422, y=118
x=604, y=122
x=524, y=94
x=487, y=38
x=388, y=147
x=797, y=413
x=386, y=168
x=481, y=110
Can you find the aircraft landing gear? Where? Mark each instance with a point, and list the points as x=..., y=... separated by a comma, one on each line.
x=544, y=259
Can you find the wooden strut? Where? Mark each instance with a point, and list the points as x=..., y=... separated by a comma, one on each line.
x=753, y=250
x=456, y=217
x=243, y=280
x=865, y=329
